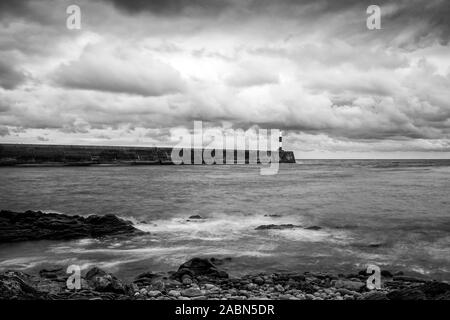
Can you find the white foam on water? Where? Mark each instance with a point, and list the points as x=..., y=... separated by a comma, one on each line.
x=21, y=263
x=216, y=227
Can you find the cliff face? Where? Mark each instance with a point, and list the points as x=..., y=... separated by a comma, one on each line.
x=29, y=154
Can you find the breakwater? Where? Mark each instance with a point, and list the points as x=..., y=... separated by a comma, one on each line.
x=60, y=155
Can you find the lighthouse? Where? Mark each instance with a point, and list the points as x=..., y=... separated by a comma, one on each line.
x=280, y=140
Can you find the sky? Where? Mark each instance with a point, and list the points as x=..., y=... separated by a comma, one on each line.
x=140, y=73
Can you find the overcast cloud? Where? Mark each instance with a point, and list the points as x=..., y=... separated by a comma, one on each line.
x=140, y=73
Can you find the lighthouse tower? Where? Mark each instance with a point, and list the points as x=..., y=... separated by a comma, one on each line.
x=280, y=140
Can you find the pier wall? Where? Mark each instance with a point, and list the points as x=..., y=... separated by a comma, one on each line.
x=37, y=154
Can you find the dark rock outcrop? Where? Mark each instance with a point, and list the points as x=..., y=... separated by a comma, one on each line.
x=196, y=217
x=14, y=285
x=285, y=226
x=313, y=228
x=407, y=294
x=36, y=225
x=200, y=267
x=102, y=281
x=276, y=226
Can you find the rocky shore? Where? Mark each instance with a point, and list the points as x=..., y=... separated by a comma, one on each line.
x=201, y=279
x=36, y=225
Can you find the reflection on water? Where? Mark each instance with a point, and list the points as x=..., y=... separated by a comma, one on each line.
x=392, y=213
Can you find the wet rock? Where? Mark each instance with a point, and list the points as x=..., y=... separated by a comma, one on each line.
x=101, y=281
x=191, y=292
x=200, y=267
x=407, y=294
x=436, y=290
x=408, y=279
x=196, y=217
x=186, y=279
x=313, y=228
x=145, y=279
x=154, y=293
x=174, y=293
x=386, y=273
x=36, y=225
x=57, y=274
x=279, y=288
x=375, y=295
x=348, y=284
x=14, y=285
x=276, y=227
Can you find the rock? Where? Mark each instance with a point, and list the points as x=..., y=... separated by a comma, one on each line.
x=186, y=279
x=200, y=267
x=174, y=293
x=344, y=291
x=313, y=228
x=191, y=292
x=348, y=284
x=279, y=288
x=211, y=287
x=436, y=290
x=15, y=285
x=32, y=225
x=57, y=274
x=196, y=217
x=273, y=215
x=276, y=227
x=258, y=280
x=154, y=293
x=386, y=273
x=408, y=279
x=407, y=294
x=251, y=286
x=146, y=279
x=101, y=281
x=375, y=295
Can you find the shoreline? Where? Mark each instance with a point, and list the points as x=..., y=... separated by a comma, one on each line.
x=203, y=279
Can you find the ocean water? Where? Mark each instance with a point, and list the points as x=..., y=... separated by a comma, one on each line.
x=392, y=213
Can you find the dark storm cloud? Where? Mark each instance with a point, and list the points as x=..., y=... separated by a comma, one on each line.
x=172, y=7
x=433, y=14
x=37, y=11
x=10, y=77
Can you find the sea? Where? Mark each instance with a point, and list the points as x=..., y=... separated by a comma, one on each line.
x=391, y=213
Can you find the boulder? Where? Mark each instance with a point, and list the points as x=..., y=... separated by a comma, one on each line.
x=102, y=281
x=191, y=292
x=200, y=267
